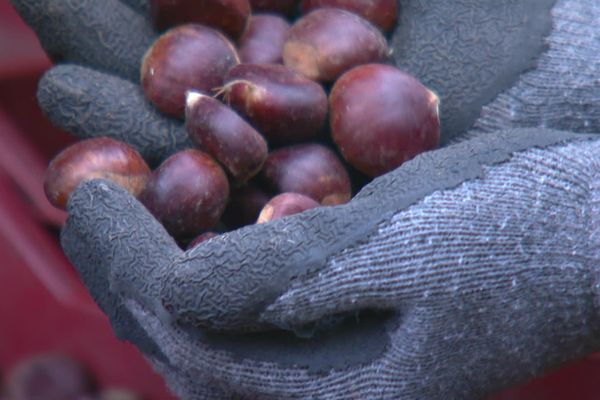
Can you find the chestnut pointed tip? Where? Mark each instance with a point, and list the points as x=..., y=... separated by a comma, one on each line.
x=192, y=97
x=434, y=100
x=224, y=92
x=252, y=92
x=433, y=97
x=265, y=215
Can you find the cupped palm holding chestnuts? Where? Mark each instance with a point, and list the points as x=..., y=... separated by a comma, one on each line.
x=260, y=94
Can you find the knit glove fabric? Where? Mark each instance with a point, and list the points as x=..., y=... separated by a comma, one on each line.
x=465, y=270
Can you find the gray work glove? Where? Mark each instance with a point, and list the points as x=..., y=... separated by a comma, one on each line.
x=466, y=270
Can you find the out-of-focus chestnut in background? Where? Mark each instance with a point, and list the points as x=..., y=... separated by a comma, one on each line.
x=43, y=306
x=44, y=309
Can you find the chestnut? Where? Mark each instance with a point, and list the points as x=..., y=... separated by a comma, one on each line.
x=48, y=376
x=244, y=206
x=286, y=7
x=283, y=105
x=223, y=134
x=228, y=16
x=285, y=204
x=381, y=13
x=382, y=117
x=98, y=158
x=201, y=239
x=185, y=58
x=328, y=41
x=187, y=193
x=310, y=169
x=262, y=42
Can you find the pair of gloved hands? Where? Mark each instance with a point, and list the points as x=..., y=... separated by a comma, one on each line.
x=465, y=270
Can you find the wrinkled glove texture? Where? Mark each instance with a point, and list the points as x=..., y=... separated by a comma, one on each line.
x=467, y=269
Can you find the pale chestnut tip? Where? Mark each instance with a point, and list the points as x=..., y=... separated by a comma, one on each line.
x=433, y=99
x=192, y=97
x=265, y=215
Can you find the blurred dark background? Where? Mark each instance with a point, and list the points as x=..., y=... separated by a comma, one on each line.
x=43, y=306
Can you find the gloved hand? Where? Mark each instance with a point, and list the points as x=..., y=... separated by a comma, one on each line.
x=463, y=271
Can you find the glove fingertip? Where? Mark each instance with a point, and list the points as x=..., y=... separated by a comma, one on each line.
x=106, y=35
x=116, y=243
x=101, y=209
x=90, y=103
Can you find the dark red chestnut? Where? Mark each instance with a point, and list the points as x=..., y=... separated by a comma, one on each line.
x=285, y=204
x=228, y=16
x=283, y=105
x=223, y=134
x=187, y=193
x=48, y=377
x=244, y=206
x=328, y=41
x=309, y=169
x=201, y=239
x=286, y=7
x=381, y=13
x=382, y=117
x=262, y=42
x=185, y=58
x=98, y=158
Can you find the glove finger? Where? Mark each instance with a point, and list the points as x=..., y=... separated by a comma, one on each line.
x=562, y=91
x=117, y=246
x=105, y=35
x=455, y=240
x=469, y=52
x=89, y=103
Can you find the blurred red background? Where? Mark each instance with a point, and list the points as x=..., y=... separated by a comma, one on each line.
x=43, y=306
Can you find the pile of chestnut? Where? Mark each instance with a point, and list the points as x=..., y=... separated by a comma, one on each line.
x=279, y=112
